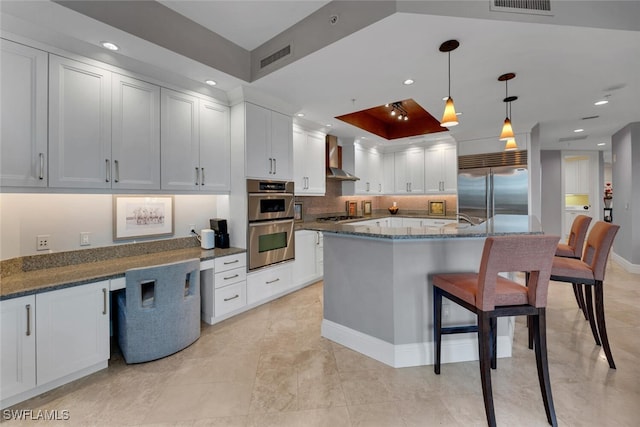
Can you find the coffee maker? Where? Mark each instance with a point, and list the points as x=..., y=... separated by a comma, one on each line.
x=219, y=227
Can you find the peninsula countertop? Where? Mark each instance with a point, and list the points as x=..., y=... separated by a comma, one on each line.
x=498, y=225
x=47, y=279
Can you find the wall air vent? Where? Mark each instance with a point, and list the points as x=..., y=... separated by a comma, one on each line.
x=275, y=56
x=590, y=117
x=487, y=160
x=531, y=7
x=573, y=138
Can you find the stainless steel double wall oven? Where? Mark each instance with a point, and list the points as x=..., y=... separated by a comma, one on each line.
x=270, y=234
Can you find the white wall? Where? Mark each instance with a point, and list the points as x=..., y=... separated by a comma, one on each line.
x=65, y=216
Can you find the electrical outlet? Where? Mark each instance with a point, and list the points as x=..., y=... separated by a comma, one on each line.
x=192, y=228
x=42, y=242
x=85, y=238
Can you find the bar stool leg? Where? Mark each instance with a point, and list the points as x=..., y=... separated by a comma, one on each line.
x=494, y=342
x=437, y=327
x=601, y=324
x=484, y=345
x=591, y=317
x=540, y=332
x=581, y=302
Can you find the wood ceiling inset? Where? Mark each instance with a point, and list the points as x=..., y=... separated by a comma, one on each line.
x=379, y=121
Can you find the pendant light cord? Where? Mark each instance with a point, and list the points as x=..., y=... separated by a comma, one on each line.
x=449, y=57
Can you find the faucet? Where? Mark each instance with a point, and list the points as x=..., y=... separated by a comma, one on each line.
x=466, y=218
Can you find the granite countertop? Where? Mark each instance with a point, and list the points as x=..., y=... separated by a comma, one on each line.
x=498, y=225
x=47, y=279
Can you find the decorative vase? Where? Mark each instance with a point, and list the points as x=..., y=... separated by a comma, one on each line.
x=607, y=202
x=393, y=210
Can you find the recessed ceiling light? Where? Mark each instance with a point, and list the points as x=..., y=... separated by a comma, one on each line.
x=578, y=130
x=300, y=114
x=601, y=102
x=408, y=82
x=328, y=125
x=211, y=82
x=109, y=45
x=458, y=113
x=445, y=98
x=601, y=144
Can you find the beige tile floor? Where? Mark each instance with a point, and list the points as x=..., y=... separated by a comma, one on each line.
x=270, y=367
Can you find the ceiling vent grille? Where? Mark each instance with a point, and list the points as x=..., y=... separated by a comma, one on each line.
x=532, y=7
x=573, y=138
x=491, y=160
x=285, y=51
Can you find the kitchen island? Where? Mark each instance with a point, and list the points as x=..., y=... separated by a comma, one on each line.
x=377, y=287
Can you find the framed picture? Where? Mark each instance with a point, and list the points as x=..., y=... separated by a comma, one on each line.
x=142, y=216
x=352, y=208
x=297, y=212
x=366, y=207
x=437, y=207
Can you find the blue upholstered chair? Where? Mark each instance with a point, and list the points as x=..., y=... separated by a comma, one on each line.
x=159, y=311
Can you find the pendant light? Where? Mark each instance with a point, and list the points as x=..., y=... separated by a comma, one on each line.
x=511, y=144
x=449, y=118
x=507, y=129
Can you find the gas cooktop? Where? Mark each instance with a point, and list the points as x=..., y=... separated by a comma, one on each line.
x=337, y=218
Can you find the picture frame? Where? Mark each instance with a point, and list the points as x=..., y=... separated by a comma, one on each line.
x=437, y=207
x=366, y=208
x=351, y=208
x=297, y=212
x=140, y=216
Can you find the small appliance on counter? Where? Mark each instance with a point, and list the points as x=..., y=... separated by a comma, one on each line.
x=219, y=227
x=207, y=239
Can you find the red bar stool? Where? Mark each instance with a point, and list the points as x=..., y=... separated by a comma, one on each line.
x=490, y=296
x=589, y=271
x=573, y=249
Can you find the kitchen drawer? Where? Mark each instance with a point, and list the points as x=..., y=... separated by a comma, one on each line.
x=271, y=281
x=230, y=298
x=229, y=262
x=230, y=276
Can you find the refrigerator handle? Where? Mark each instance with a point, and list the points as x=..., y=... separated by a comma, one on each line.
x=492, y=201
x=488, y=195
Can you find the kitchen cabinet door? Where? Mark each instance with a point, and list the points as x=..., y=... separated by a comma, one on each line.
x=269, y=143
x=215, y=147
x=79, y=125
x=409, y=171
x=179, y=141
x=135, y=145
x=18, y=350
x=304, y=267
x=450, y=169
x=282, y=145
x=388, y=173
x=441, y=169
x=73, y=330
x=268, y=283
x=23, y=114
x=309, y=162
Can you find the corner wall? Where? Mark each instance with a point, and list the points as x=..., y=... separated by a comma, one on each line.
x=551, y=200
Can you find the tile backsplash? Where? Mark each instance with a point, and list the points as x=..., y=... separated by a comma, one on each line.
x=333, y=202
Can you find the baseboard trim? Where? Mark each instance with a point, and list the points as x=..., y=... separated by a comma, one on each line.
x=628, y=266
x=461, y=348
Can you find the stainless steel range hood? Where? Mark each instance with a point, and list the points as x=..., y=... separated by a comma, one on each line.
x=334, y=168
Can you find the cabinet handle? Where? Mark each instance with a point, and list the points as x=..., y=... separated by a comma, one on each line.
x=104, y=301
x=317, y=238
x=231, y=262
x=231, y=277
x=28, y=307
x=116, y=164
x=270, y=165
x=197, y=176
x=41, y=176
x=202, y=180
x=233, y=297
x=368, y=186
x=275, y=166
x=272, y=281
x=108, y=170
x=379, y=188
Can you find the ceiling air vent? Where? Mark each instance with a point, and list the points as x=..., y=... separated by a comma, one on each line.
x=487, y=160
x=275, y=56
x=573, y=138
x=531, y=7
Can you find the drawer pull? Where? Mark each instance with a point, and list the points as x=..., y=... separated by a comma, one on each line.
x=231, y=277
x=28, y=307
x=41, y=176
x=107, y=177
x=231, y=262
x=233, y=297
x=272, y=281
x=104, y=300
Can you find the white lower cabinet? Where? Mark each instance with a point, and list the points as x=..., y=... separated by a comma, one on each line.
x=223, y=287
x=52, y=338
x=304, y=267
x=266, y=283
x=319, y=254
x=18, y=350
x=230, y=298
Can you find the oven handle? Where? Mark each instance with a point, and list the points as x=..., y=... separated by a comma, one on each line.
x=271, y=222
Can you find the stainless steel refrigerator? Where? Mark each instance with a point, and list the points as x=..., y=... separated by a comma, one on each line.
x=485, y=192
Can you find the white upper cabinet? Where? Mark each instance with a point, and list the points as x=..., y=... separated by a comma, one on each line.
x=269, y=145
x=576, y=173
x=79, y=125
x=409, y=171
x=23, y=114
x=441, y=169
x=195, y=143
x=309, y=172
x=135, y=150
x=366, y=164
x=388, y=172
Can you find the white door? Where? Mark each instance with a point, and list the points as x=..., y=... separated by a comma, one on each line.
x=415, y=166
x=299, y=160
x=304, y=267
x=315, y=164
x=258, y=142
x=215, y=147
x=281, y=145
x=180, y=145
x=433, y=170
x=23, y=114
x=79, y=125
x=135, y=149
x=450, y=169
x=388, y=173
x=73, y=330
x=18, y=349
